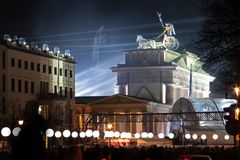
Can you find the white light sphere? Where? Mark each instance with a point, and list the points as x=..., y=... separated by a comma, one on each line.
x=161, y=135
x=187, y=136
x=203, y=136
x=194, y=136
x=123, y=135
x=58, y=134
x=16, y=131
x=82, y=134
x=144, y=134
x=66, y=133
x=137, y=135
x=111, y=134
x=89, y=133
x=128, y=135
x=171, y=135
x=215, y=136
x=74, y=134
x=226, y=137
x=150, y=135
x=96, y=134
x=49, y=132
x=5, y=131
x=117, y=134
x=106, y=134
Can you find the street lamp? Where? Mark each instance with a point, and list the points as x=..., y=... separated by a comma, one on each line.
x=109, y=126
x=237, y=91
x=20, y=122
x=16, y=131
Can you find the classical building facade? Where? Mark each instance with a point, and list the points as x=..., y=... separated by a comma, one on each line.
x=162, y=75
x=30, y=73
x=90, y=113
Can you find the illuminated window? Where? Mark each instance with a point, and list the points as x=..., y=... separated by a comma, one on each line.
x=25, y=65
x=38, y=67
x=13, y=85
x=26, y=86
x=32, y=87
x=19, y=63
x=12, y=62
x=19, y=86
x=32, y=66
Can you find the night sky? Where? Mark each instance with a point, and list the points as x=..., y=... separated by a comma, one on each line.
x=72, y=24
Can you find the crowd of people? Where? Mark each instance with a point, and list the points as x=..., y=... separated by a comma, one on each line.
x=146, y=153
x=153, y=152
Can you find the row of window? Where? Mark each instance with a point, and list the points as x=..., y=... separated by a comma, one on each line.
x=44, y=68
x=23, y=87
x=44, y=88
x=20, y=84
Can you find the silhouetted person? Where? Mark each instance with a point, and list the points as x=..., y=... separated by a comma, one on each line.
x=29, y=145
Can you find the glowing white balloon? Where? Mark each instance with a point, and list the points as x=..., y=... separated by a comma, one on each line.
x=171, y=135
x=187, y=136
x=16, y=131
x=215, y=136
x=89, y=133
x=5, y=131
x=123, y=135
x=137, y=135
x=117, y=134
x=82, y=135
x=203, y=137
x=161, y=135
x=66, y=133
x=144, y=134
x=194, y=136
x=128, y=135
x=226, y=137
x=58, y=134
x=74, y=134
x=96, y=134
x=49, y=132
x=150, y=135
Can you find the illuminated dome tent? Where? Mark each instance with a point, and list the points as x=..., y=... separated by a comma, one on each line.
x=184, y=105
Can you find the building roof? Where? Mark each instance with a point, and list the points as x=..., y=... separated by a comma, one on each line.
x=94, y=99
x=88, y=99
x=15, y=45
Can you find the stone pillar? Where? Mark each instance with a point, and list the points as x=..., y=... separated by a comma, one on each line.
x=170, y=93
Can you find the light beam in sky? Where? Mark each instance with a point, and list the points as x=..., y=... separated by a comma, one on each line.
x=97, y=80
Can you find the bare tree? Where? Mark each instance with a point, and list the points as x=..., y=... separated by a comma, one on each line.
x=219, y=40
